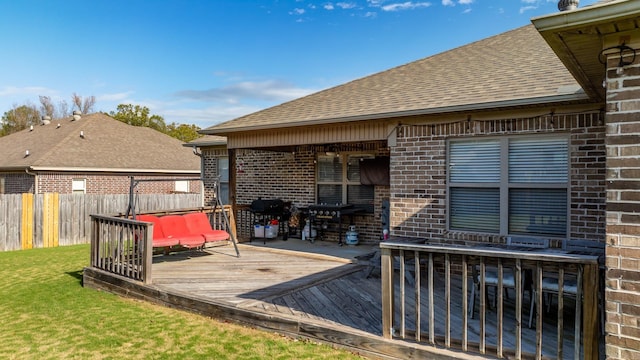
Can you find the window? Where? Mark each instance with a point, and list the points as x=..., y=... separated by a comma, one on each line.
x=182, y=186
x=509, y=186
x=1, y=185
x=223, y=173
x=338, y=182
x=79, y=186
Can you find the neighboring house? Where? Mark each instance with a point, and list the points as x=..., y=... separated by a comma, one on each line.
x=523, y=133
x=94, y=154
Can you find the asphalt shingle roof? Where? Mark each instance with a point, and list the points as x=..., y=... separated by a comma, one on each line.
x=515, y=65
x=107, y=144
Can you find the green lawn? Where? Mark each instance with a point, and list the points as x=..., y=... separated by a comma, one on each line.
x=45, y=313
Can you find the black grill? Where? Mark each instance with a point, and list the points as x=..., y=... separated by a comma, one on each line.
x=273, y=207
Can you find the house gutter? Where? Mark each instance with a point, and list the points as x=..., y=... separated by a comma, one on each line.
x=589, y=15
x=543, y=100
x=35, y=180
x=81, y=169
x=206, y=143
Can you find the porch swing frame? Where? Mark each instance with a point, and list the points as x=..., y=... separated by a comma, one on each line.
x=131, y=207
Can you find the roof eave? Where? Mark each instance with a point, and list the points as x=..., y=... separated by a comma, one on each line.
x=593, y=14
x=14, y=168
x=112, y=170
x=563, y=32
x=205, y=143
x=578, y=96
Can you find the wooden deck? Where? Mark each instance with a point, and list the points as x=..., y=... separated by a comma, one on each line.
x=298, y=293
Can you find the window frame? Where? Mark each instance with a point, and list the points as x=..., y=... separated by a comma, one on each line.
x=181, y=186
x=344, y=182
x=224, y=200
x=504, y=186
x=74, y=189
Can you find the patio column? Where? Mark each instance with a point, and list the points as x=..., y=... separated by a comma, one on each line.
x=623, y=203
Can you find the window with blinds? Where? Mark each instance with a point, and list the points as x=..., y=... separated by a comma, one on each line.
x=223, y=175
x=524, y=178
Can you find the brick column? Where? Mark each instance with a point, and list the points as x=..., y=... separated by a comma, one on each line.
x=623, y=211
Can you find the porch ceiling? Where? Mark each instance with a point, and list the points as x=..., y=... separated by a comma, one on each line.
x=578, y=37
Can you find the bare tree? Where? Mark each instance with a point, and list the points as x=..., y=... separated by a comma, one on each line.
x=63, y=109
x=46, y=106
x=85, y=105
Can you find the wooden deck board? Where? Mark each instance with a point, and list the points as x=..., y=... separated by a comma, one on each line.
x=327, y=291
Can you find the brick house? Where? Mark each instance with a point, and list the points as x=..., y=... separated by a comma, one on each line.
x=94, y=154
x=508, y=86
x=511, y=135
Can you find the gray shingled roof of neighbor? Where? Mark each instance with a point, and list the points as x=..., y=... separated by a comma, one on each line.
x=208, y=140
x=510, y=69
x=106, y=144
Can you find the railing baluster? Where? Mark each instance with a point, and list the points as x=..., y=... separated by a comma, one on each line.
x=402, y=296
x=518, y=280
x=418, y=278
x=483, y=305
x=447, y=300
x=588, y=287
x=560, y=337
x=465, y=306
x=500, y=301
x=539, y=314
x=576, y=336
x=386, y=274
x=432, y=321
x=147, y=254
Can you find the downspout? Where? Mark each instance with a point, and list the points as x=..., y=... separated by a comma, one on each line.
x=201, y=180
x=35, y=180
x=199, y=154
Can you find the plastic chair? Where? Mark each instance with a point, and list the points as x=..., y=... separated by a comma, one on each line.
x=508, y=274
x=551, y=285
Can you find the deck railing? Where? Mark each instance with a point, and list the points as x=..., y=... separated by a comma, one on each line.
x=124, y=246
x=442, y=278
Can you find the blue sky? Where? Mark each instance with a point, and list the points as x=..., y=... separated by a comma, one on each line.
x=204, y=62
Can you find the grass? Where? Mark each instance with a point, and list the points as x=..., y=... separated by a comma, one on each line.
x=45, y=313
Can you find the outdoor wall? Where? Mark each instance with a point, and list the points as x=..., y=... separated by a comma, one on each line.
x=418, y=174
x=275, y=175
x=290, y=176
x=623, y=212
x=110, y=183
x=17, y=183
x=210, y=174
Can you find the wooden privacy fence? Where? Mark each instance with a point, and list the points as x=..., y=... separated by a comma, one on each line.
x=48, y=220
x=438, y=310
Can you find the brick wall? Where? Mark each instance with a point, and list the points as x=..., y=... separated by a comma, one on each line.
x=418, y=174
x=275, y=175
x=290, y=176
x=95, y=183
x=623, y=213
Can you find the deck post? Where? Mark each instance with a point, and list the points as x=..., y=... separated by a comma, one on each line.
x=590, y=290
x=387, y=292
x=147, y=255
